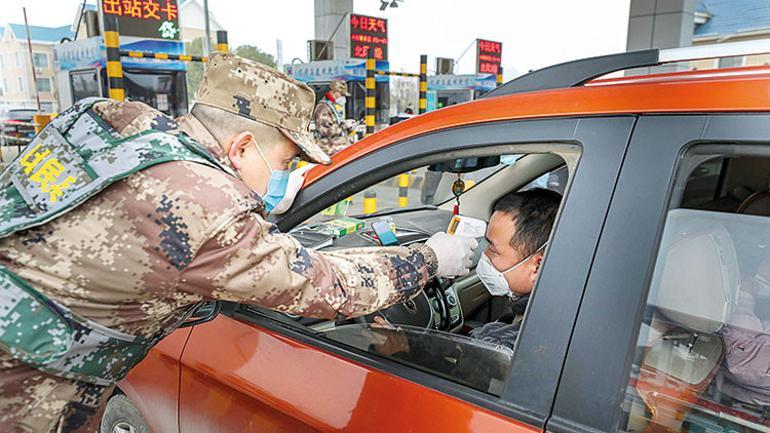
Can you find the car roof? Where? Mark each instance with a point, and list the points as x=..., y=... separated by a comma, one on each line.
x=707, y=91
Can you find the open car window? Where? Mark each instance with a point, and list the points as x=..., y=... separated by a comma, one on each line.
x=434, y=331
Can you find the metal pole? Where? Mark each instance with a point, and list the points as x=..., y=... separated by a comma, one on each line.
x=423, y=107
x=500, y=77
x=222, y=41
x=207, y=29
x=371, y=93
x=114, y=67
x=80, y=19
x=32, y=63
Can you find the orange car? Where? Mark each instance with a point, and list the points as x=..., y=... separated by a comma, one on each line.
x=648, y=314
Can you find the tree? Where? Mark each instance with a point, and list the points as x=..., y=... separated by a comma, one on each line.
x=254, y=53
x=194, y=69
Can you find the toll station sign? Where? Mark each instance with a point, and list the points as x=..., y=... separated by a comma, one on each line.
x=368, y=34
x=488, y=56
x=156, y=19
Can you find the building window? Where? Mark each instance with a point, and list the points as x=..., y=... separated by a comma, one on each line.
x=21, y=86
x=43, y=85
x=18, y=60
x=732, y=62
x=40, y=60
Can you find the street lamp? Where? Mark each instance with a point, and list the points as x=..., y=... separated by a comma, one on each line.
x=385, y=3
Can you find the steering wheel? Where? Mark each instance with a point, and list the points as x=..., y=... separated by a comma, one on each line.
x=416, y=311
x=443, y=305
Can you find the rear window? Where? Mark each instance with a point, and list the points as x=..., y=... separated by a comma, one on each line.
x=702, y=361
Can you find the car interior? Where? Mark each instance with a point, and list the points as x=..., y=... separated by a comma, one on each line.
x=429, y=332
x=702, y=360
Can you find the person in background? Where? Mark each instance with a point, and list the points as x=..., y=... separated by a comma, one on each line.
x=333, y=132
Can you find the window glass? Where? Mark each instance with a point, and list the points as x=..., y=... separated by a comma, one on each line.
x=84, y=84
x=702, y=361
x=454, y=329
x=43, y=84
x=468, y=361
x=424, y=186
x=40, y=60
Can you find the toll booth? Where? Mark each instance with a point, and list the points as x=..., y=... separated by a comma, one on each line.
x=456, y=89
x=81, y=71
x=319, y=74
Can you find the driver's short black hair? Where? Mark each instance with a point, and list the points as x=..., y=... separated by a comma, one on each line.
x=534, y=212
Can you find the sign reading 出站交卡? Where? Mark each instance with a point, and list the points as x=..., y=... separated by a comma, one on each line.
x=158, y=19
x=368, y=34
x=488, y=56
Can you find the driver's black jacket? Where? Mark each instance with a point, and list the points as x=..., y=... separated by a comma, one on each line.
x=505, y=330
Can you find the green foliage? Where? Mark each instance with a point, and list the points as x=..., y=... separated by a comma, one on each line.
x=254, y=53
x=194, y=69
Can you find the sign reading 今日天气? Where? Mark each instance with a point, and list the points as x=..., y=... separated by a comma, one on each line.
x=488, y=56
x=368, y=34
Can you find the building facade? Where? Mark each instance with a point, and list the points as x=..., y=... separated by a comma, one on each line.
x=723, y=21
x=17, y=88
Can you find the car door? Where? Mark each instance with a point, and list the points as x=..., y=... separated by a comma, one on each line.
x=153, y=386
x=260, y=371
x=650, y=355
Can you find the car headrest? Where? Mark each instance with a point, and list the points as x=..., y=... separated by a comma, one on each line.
x=697, y=273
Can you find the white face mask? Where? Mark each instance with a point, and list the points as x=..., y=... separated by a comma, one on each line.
x=493, y=279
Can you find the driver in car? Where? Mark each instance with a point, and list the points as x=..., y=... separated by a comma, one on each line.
x=517, y=234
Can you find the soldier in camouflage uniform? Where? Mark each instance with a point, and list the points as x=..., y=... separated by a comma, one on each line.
x=332, y=130
x=137, y=255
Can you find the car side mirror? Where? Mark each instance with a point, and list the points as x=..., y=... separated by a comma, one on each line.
x=205, y=313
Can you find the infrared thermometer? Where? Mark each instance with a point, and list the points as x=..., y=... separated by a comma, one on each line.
x=467, y=227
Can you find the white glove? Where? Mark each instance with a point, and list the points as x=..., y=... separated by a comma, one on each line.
x=296, y=180
x=350, y=124
x=454, y=254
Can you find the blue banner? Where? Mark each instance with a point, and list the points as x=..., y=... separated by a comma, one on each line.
x=329, y=70
x=459, y=82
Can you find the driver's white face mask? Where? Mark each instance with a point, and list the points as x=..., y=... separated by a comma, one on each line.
x=493, y=279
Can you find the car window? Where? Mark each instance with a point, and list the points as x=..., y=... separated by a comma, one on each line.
x=702, y=360
x=453, y=329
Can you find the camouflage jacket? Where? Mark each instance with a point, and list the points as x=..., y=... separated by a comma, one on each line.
x=331, y=133
x=137, y=255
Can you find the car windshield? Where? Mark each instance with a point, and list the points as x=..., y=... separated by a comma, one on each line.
x=425, y=186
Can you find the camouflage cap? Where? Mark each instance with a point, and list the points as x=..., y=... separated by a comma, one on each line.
x=257, y=92
x=339, y=86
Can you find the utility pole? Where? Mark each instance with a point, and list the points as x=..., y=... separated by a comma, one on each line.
x=32, y=62
x=207, y=29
